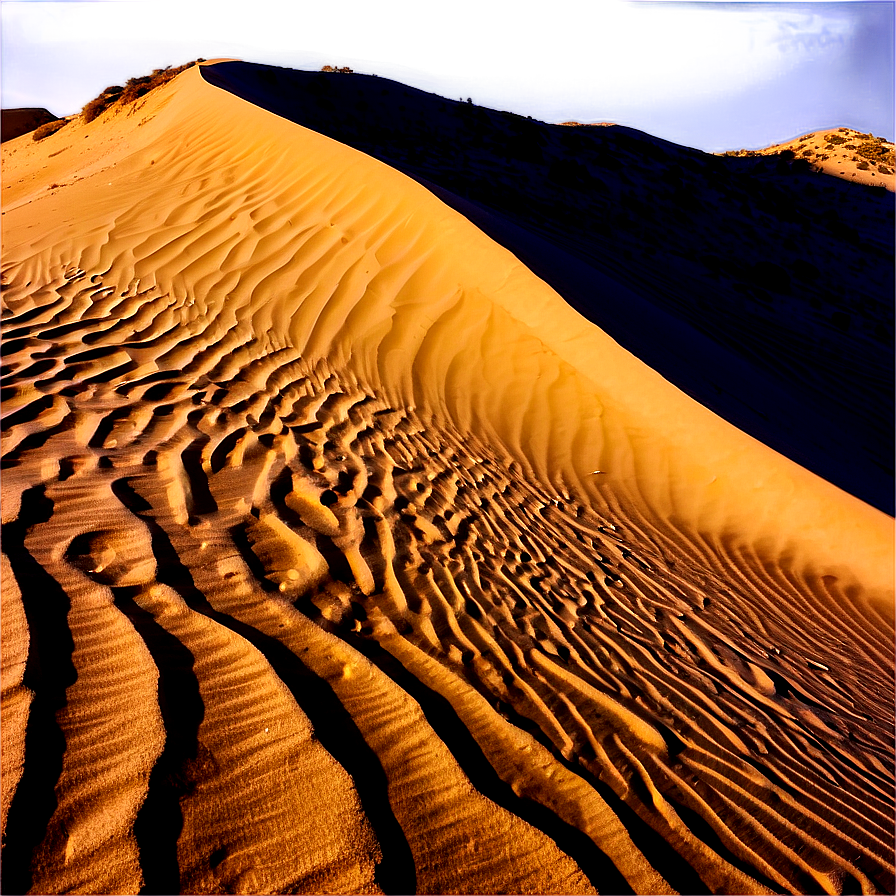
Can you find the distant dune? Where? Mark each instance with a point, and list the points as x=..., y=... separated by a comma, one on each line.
x=341, y=553
x=15, y=122
x=843, y=152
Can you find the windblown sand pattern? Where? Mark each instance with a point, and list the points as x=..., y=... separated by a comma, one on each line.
x=311, y=584
x=756, y=286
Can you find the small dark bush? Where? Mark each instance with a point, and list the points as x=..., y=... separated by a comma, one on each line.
x=49, y=128
x=96, y=107
x=877, y=150
x=134, y=88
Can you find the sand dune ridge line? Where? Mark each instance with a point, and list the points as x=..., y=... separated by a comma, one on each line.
x=300, y=460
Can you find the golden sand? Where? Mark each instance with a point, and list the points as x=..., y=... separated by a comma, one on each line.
x=341, y=555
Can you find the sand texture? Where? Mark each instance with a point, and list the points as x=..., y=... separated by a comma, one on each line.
x=341, y=554
x=757, y=285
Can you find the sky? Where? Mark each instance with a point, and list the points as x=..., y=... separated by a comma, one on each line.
x=712, y=75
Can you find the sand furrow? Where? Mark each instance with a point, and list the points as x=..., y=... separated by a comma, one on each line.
x=17, y=696
x=408, y=782
x=340, y=555
x=80, y=643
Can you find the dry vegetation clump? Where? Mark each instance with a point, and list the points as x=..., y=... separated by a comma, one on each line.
x=133, y=89
x=97, y=106
x=49, y=128
x=345, y=70
x=877, y=150
x=741, y=153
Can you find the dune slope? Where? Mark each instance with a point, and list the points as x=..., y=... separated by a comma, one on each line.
x=768, y=288
x=340, y=554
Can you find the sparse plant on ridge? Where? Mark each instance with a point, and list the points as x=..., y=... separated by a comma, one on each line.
x=49, y=128
x=97, y=106
x=132, y=91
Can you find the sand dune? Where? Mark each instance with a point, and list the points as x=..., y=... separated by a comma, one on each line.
x=757, y=286
x=842, y=152
x=340, y=554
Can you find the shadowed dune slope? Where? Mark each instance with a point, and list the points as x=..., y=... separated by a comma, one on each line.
x=340, y=554
x=760, y=288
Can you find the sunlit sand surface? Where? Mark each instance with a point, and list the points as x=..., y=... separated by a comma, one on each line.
x=340, y=554
x=757, y=285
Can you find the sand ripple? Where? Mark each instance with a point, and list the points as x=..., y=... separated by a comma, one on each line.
x=307, y=586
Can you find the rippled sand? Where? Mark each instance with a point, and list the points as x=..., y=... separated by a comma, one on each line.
x=341, y=555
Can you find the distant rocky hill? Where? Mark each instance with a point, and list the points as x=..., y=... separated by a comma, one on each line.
x=15, y=122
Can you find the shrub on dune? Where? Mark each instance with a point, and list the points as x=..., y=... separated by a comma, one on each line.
x=49, y=128
x=132, y=91
x=878, y=151
x=134, y=88
x=97, y=106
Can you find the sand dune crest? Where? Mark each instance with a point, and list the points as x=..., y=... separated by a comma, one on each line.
x=309, y=585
